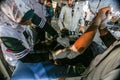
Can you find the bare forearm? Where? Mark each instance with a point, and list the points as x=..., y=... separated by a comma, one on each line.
x=82, y=43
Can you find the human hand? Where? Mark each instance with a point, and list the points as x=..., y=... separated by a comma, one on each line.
x=102, y=15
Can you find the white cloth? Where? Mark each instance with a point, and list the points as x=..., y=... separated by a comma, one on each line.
x=104, y=64
x=15, y=10
x=11, y=15
x=65, y=53
x=9, y=31
x=95, y=5
x=72, y=23
x=9, y=27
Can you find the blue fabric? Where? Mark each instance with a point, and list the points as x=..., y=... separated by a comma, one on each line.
x=41, y=71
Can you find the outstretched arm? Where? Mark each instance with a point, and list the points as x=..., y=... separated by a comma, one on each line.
x=83, y=42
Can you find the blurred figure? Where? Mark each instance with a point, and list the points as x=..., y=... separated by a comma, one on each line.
x=57, y=11
x=17, y=43
x=72, y=18
x=49, y=11
x=49, y=14
x=40, y=10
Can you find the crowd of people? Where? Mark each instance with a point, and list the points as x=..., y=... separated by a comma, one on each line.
x=23, y=28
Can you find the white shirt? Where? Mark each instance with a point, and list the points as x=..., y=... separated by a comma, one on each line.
x=70, y=22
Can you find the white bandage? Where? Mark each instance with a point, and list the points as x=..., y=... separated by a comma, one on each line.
x=65, y=53
x=60, y=54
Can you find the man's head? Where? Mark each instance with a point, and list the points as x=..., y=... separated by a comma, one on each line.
x=48, y=3
x=41, y=1
x=70, y=3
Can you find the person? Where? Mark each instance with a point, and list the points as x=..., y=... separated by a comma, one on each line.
x=49, y=14
x=57, y=11
x=93, y=7
x=40, y=10
x=49, y=11
x=72, y=18
x=31, y=65
x=105, y=66
x=17, y=43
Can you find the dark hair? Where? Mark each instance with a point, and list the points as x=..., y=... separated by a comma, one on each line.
x=1, y=1
x=49, y=1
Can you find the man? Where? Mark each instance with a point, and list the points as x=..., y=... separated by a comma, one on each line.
x=17, y=45
x=49, y=14
x=49, y=11
x=40, y=10
x=72, y=18
x=106, y=66
x=93, y=7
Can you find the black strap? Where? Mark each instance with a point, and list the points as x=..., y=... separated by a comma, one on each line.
x=50, y=30
x=108, y=39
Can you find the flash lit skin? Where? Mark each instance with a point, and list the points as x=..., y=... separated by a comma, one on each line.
x=83, y=42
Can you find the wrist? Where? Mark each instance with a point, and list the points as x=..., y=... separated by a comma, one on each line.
x=97, y=21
